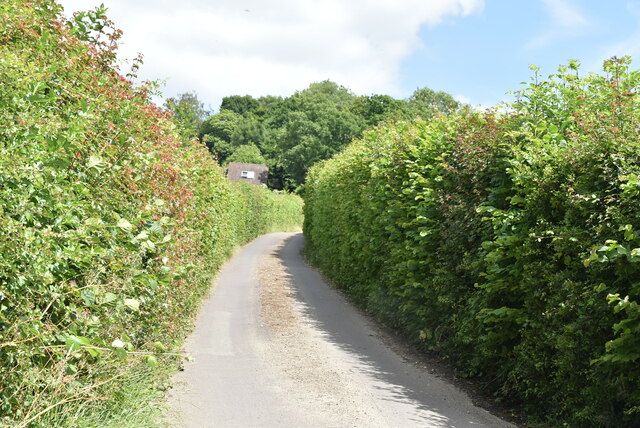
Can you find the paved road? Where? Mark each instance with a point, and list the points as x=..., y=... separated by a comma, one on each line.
x=270, y=354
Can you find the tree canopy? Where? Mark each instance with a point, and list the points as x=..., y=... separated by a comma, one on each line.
x=188, y=112
x=292, y=134
x=248, y=153
x=240, y=104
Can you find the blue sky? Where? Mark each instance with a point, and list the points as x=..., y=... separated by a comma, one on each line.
x=477, y=50
x=484, y=55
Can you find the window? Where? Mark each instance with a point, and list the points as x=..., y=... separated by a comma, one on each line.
x=247, y=174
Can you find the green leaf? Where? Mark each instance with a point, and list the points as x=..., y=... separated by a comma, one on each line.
x=96, y=162
x=88, y=296
x=517, y=199
x=125, y=225
x=132, y=304
x=108, y=299
x=159, y=346
x=74, y=343
x=121, y=353
x=93, y=351
x=92, y=221
x=59, y=163
x=141, y=236
x=151, y=360
x=148, y=245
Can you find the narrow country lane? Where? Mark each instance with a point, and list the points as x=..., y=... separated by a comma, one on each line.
x=275, y=346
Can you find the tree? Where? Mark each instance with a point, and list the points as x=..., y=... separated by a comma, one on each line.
x=426, y=103
x=249, y=130
x=188, y=113
x=216, y=132
x=376, y=108
x=318, y=124
x=293, y=133
x=240, y=104
x=248, y=153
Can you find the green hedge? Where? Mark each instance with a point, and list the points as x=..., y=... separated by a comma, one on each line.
x=111, y=227
x=509, y=242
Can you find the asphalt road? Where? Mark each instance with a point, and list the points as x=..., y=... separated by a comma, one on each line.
x=275, y=346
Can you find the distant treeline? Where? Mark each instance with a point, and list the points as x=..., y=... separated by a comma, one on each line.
x=291, y=134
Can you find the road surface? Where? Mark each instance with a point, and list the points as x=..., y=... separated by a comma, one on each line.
x=275, y=346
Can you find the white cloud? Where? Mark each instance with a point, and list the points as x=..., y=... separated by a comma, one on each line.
x=565, y=15
x=565, y=19
x=478, y=106
x=275, y=47
x=462, y=99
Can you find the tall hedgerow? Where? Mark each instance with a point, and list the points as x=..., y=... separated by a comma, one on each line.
x=508, y=242
x=111, y=228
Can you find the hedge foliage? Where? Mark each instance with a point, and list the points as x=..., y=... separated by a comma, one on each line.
x=509, y=242
x=111, y=227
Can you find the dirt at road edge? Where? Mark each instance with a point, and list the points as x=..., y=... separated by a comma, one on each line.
x=311, y=368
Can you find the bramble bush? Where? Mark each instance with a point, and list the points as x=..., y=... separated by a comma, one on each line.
x=112, y=227
x=508, y=242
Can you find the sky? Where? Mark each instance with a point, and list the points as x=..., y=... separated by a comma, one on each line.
x=476, y=50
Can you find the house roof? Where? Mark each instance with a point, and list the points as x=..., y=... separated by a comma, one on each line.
x=261, y=172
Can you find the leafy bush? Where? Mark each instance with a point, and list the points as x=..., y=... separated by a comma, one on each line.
x=507, y=242
x=111, y=227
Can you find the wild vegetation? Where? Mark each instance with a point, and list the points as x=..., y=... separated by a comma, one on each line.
x=508, y=242
x=112, y=225
x=293, y=133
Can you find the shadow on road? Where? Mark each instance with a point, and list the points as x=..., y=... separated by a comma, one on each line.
x=426, y=399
